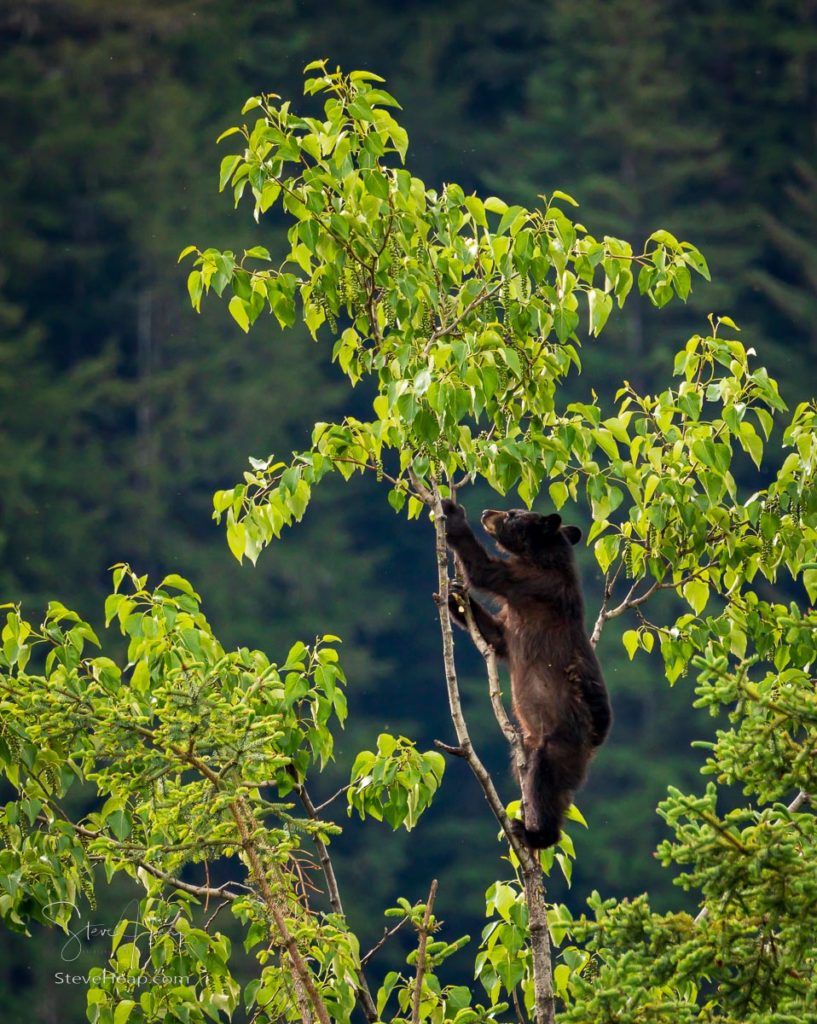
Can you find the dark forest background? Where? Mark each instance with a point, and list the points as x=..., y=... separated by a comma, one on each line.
x=121, y=411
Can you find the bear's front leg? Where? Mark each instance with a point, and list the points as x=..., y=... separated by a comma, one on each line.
x=490, y=627
x=480, y=569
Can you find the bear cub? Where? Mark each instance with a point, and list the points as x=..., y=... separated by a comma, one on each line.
x=557, y=689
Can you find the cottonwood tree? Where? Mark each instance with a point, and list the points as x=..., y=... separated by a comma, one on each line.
x=464, y=314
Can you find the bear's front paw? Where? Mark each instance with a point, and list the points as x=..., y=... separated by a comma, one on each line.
x=455, y=521
x=457, y=596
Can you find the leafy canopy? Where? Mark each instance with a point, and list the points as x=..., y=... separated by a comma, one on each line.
x=464, y=311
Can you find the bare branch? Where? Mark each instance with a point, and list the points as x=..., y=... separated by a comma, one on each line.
x=630, y=601
x=465, y=748
x=453, y=751
x=220, y=892
x=224, y=903
x=387, y=934
x=494, y=689
x=332, y=798
x=424, y=493
x=609, y=584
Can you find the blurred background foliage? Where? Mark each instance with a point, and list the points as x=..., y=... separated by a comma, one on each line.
x=121, y=411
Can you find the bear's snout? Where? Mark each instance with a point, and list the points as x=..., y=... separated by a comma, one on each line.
x=490, y=519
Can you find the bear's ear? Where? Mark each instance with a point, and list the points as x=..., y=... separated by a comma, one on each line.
x=573, y=534
x=550, y=524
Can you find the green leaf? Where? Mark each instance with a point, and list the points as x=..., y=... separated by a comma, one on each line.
x=179, y=583
x=228, y=165
x=476, y=208
x=697, y=594
x=258, y=252
x=194, y=288
x=357, y=76
x=123, y=1011
x=238, y=311
x=396, y=499
x=600, y=304
x=630, y=640
x=236, y=537
x=606, y=550
x=377, y=184
x=227, y=133
x=558, y=493
x=495, y=205
x=751, y=442
x=558, y=194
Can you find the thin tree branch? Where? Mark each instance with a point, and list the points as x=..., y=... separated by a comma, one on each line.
x=472, y=305
x=364, y=994
x=326, y=803
x=301, y=973
x=214, y=915
x=387, y=934
x=421, y=954
x=630, y=601
x=517, y=1008
x=530, y=866
x=465, y=747
x=221, y=892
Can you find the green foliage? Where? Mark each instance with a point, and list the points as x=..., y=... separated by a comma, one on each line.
x=464, y=310
x=181, y=745
x=397, y=783
x=177, y=745
x=469, y=326
x=465, y=313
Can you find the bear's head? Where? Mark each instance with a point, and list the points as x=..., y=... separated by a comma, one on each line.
x=531, y=536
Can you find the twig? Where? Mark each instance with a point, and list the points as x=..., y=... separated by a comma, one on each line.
x=520, y=1017
x=456, y=485
x=421, y=954
x=472, y=305
x=630, y=601
x=221, y=892
x=387, y=934
x=608, y=591
x=215, y=914
x=332, y=798
x=453, y=751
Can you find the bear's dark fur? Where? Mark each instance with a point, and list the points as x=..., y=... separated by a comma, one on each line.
x=557, y=689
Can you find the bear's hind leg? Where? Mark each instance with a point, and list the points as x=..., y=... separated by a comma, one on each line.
x=553, y=772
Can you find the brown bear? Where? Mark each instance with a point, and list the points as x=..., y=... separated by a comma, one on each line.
x=557, y=689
